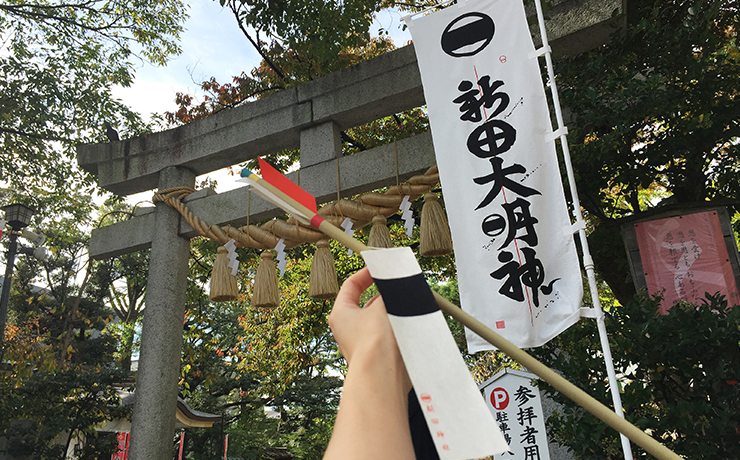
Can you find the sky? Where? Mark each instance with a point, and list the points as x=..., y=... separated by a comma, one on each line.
x=212, y=46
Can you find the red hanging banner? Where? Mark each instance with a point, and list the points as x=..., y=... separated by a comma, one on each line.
x=685, y=257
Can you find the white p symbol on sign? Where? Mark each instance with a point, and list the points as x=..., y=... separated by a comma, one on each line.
x=499, y=398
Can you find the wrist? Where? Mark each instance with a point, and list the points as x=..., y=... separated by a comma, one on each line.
x=380, y=362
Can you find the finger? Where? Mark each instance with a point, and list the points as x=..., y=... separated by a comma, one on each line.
x=376, y=297
x=353, y=287
x=349, y=296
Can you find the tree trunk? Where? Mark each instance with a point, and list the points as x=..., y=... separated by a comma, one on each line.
x=610, y=258
x=127, y=345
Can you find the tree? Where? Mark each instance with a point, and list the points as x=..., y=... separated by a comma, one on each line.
x=654, y=110
x=42, y=416
x=670, y=128
x=58, y=64
x=239, y=360
x=315, y=32
x=59, y=380
x=294, y=67
x=127, y=301
x=303, y=40
x=653, y=120
x=129, y=305
x=679, y=384
x=67, y=312
x=222, y=371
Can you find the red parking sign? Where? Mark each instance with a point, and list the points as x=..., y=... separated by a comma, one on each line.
x=499, y=398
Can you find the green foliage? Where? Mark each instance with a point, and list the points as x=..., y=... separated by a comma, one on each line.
x=320, y=28
x=679, y=375
x=41, y=415
x=386, y=130
x=239, y=360
x=657, y=106
x=653, y=118
x=56, y=385
x=282, y=68
x=58, y=64
x=127, y=302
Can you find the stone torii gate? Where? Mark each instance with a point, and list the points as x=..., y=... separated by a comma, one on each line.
x=310, y=116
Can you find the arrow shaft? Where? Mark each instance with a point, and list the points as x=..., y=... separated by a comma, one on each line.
x=577, y=395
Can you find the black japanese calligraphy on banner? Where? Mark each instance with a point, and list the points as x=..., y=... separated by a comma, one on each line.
x=489, y=140
x=468, y=34
x=517, y=267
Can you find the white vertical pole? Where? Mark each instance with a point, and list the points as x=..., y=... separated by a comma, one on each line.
x=588, y=262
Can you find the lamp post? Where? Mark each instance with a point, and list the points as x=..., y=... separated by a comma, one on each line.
x=18, y=217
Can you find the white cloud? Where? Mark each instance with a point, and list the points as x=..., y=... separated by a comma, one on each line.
x=213, y=46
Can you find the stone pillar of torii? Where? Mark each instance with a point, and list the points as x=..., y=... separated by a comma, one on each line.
x=310, y=116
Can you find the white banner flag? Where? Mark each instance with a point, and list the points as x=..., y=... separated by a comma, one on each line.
x=517, y=266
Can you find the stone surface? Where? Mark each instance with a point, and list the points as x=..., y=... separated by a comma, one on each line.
x=153, y=426
x=320, y=143
x=221, y=140
x=373, y=89
x=363, y=93
x=575, y=26
x=361, y=172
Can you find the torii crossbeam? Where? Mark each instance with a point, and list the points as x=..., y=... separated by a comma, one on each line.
x=310, y=116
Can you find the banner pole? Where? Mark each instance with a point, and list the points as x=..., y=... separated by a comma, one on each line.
x=577, y=395
x=588, y=262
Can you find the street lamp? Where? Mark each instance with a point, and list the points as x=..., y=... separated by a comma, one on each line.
x=18, y=216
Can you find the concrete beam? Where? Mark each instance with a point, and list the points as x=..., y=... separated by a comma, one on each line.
x=223, y=139
x=575, y=26
x=353, y=96
x=358, y=173
x=373, y=89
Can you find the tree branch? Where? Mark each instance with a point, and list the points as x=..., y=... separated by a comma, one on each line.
x=83, y=5
x=269, y=62
x=51, y=17
x=352, y=142
x=33, y=136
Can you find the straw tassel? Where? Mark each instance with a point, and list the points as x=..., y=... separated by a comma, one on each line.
x=323, y=283
x=380, y=236
x=223, y=284
x=266, y=293
x=434, y=237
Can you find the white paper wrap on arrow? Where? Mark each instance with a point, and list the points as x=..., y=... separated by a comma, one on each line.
x=461, y=425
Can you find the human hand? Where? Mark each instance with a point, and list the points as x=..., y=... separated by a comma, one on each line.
x=372, y=422
x=364, y=333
